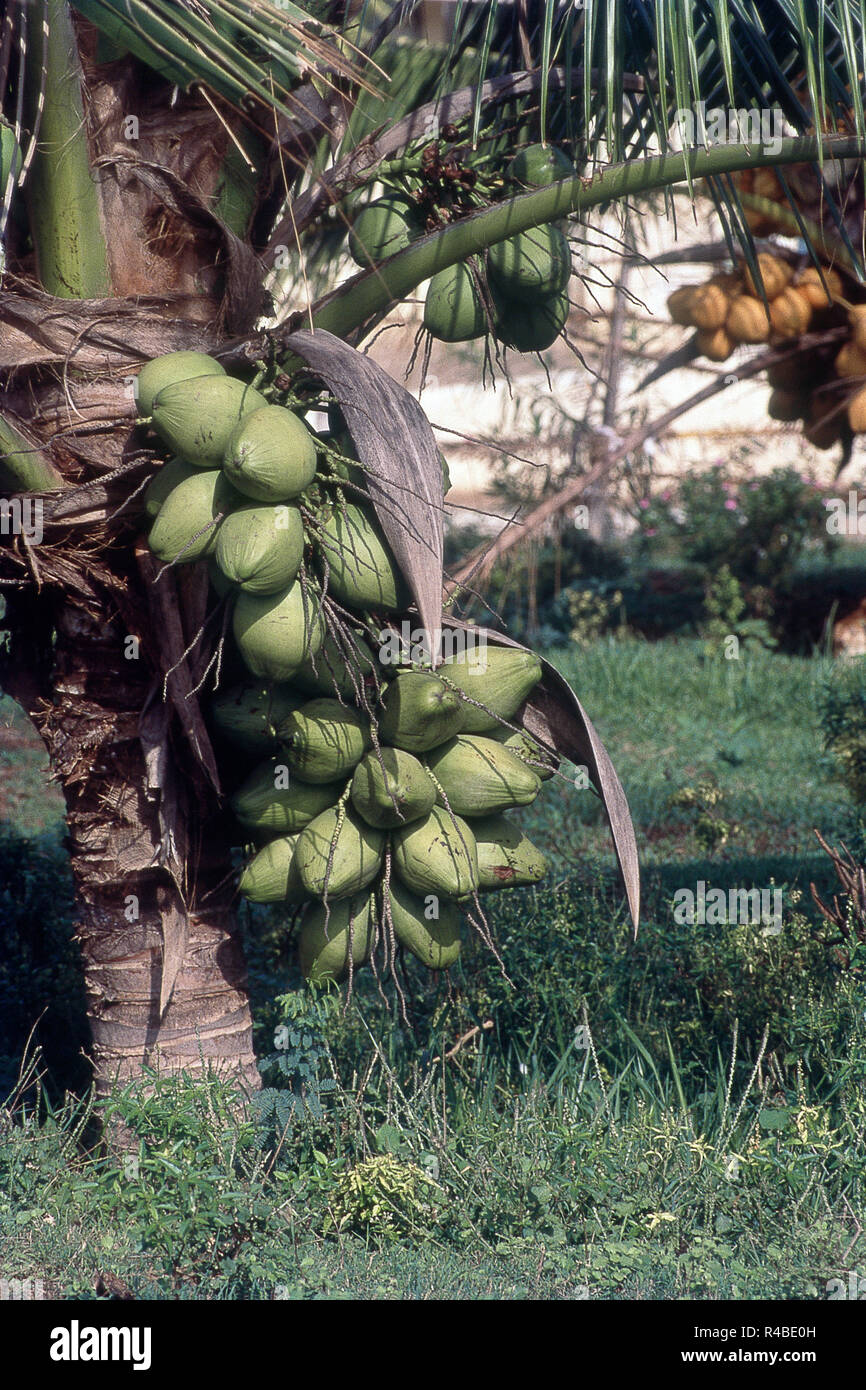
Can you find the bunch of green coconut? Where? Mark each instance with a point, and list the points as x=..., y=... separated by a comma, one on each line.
x=523, y=296
x=373, y=790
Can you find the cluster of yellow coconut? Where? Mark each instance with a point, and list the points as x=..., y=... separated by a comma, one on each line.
x=728, y=310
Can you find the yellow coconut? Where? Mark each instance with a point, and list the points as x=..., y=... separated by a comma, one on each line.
x=765, y=184
x=857, y=320
x=850, y=361
x=747, y=320
x=757, y=222
x=819, y=287
x=857, y=411
x=790, y=313
x=680, y=306
x=709, y=307
x=717, y=345
x=731, y=281
x=775, y=274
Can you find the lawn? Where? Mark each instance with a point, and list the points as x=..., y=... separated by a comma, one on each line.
x=678, y=1116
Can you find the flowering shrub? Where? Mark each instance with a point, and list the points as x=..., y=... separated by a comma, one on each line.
x=759, y=528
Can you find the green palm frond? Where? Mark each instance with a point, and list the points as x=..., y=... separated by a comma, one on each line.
x=804, y=56
x=239, y=49
x=632, y=67
x=608, y=79
x=801, y=58
x=798, y=56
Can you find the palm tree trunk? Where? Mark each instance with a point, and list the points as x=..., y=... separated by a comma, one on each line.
x=164, y=968
x=104, y=660
x=99, y=652
x=135, y=921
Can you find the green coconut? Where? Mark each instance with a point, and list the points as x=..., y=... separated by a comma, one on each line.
x=186, y=524
x=333, y=669
x=542, y=762
x=338, y=854
x=390, y=788
x=168, y=477
x=263, y=803
x=276, y=632
x=271, y=455
x=453, y=312
x=272, y=875
x=330, y=937
x=530, y=327
x=261, y=548
x=437, y=855
x=381, y=229
x=324, y=740
x=248, y=714
x=479, y=776
x=420, y=712
x=167, y=370
x=344, y=467
x=539, y=165
x=429, y=928
x=506, y=857
x=535, y=262
x=196, y=418
x=354, y=555
x=499, y=678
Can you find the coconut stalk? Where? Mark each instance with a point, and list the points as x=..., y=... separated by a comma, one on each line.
x=239, y=188
x=23, y=466
x=360, y=165
x=343, y=312
x=62, y=197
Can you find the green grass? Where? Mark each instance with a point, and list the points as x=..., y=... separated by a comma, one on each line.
x=27, y=799
x=589, y=1183
x=670, y=713
x=680, y=1116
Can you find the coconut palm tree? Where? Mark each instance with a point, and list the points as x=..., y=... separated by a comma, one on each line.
x=166, y=167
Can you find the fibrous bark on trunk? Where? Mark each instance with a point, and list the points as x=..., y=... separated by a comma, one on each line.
x=152, y=871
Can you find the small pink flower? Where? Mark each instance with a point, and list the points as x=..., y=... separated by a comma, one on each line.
x=667, y=495
x=643, y=503
x=730, y=505
x=650, y=531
